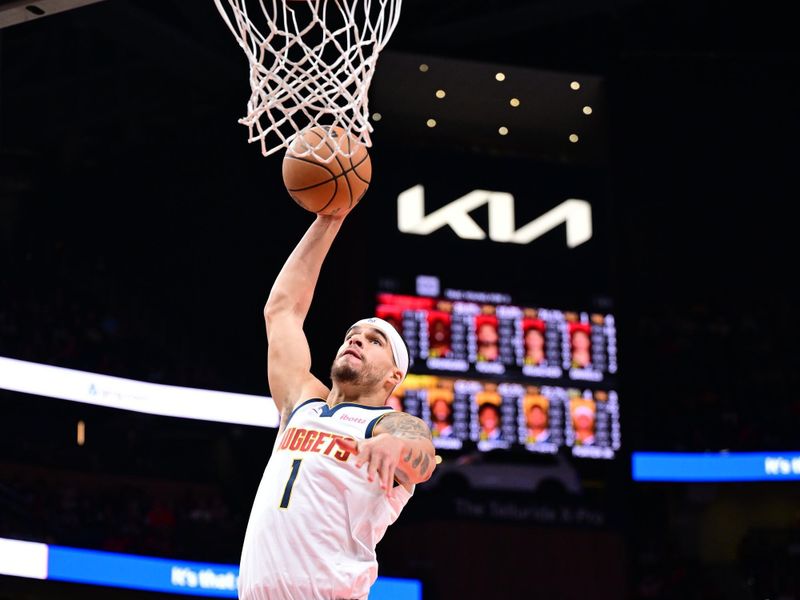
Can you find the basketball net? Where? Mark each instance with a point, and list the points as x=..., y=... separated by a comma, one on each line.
x=311, y=65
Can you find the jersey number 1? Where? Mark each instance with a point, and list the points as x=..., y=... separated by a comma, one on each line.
x=287, y=492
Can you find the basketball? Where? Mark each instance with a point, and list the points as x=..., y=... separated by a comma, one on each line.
x=331, y=185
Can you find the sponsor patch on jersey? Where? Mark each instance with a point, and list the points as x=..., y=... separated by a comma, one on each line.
x=350, y=419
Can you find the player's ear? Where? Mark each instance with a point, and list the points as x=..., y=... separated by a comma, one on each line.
x=395, y=377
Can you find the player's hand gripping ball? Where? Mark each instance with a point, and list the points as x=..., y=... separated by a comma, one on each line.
x=330, y=186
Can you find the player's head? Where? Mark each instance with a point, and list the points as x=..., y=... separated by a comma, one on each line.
x=580, y=338
x=373, y=355
x=583, y=418
x=489, y=416
x=536, y=416
x=534, y=338
x=487, y=337
x=440, y=410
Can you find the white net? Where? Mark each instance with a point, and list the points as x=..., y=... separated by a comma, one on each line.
x=311, y=65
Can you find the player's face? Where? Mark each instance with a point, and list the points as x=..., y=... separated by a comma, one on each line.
x=534, y=340
x=489, y=419
x=584, y=421
x=439, y=333
x=537, y=418
x=441, y=410
x=487, y=334
x=365, y=358
x=580, y=340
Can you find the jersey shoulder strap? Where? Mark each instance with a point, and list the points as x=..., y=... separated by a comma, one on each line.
x=301, y=405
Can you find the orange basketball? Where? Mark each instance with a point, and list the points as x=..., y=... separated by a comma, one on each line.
x=331, y=185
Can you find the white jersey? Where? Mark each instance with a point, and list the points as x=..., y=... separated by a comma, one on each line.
x=316, y=519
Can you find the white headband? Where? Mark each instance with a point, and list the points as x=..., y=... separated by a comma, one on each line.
x=399, y=350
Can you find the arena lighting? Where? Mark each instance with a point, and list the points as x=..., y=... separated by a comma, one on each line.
x=23, y=559
x=58, y=563
x=138, y=396
x=720, y=466
x=440, y=94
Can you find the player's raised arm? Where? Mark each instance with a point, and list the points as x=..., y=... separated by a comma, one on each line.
x=288, y=356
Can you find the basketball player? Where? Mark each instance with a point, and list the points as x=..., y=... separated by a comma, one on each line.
x=344, y=464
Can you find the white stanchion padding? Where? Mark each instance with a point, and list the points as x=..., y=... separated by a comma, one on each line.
x=138, y=396
x=311, y=65
x=23, y=559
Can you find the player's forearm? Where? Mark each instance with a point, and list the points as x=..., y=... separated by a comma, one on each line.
x=418, y=460
x=293, y=289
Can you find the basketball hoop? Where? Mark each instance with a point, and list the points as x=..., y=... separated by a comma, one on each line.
x=311, y=64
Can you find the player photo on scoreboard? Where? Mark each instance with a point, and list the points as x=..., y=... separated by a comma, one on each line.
x=448, y=418
x=582, y=420
x=541, y=418
x=580, y=345
x=490, y=418
x=534, y=342
x=435, y=402
x=590, y=350
x=439, y=334
x=487, y=338
x=593, y=430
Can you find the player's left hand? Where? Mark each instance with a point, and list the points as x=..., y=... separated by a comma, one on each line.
x=381, y=454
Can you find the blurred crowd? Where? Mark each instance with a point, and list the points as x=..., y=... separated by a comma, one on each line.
x=118, y=514
x=49, y=314
x=715, y=377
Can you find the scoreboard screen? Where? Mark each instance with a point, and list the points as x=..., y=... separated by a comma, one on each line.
x=489, y=372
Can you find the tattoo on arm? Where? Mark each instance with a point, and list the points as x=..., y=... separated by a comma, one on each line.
x=425, y=464
x=405, y=426
x=410, y=428
x=420, y=463
x=417, y=460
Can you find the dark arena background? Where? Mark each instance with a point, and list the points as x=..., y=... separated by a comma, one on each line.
x=646, y=152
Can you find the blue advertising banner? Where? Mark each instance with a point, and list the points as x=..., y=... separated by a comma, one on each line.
x=724, y=466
